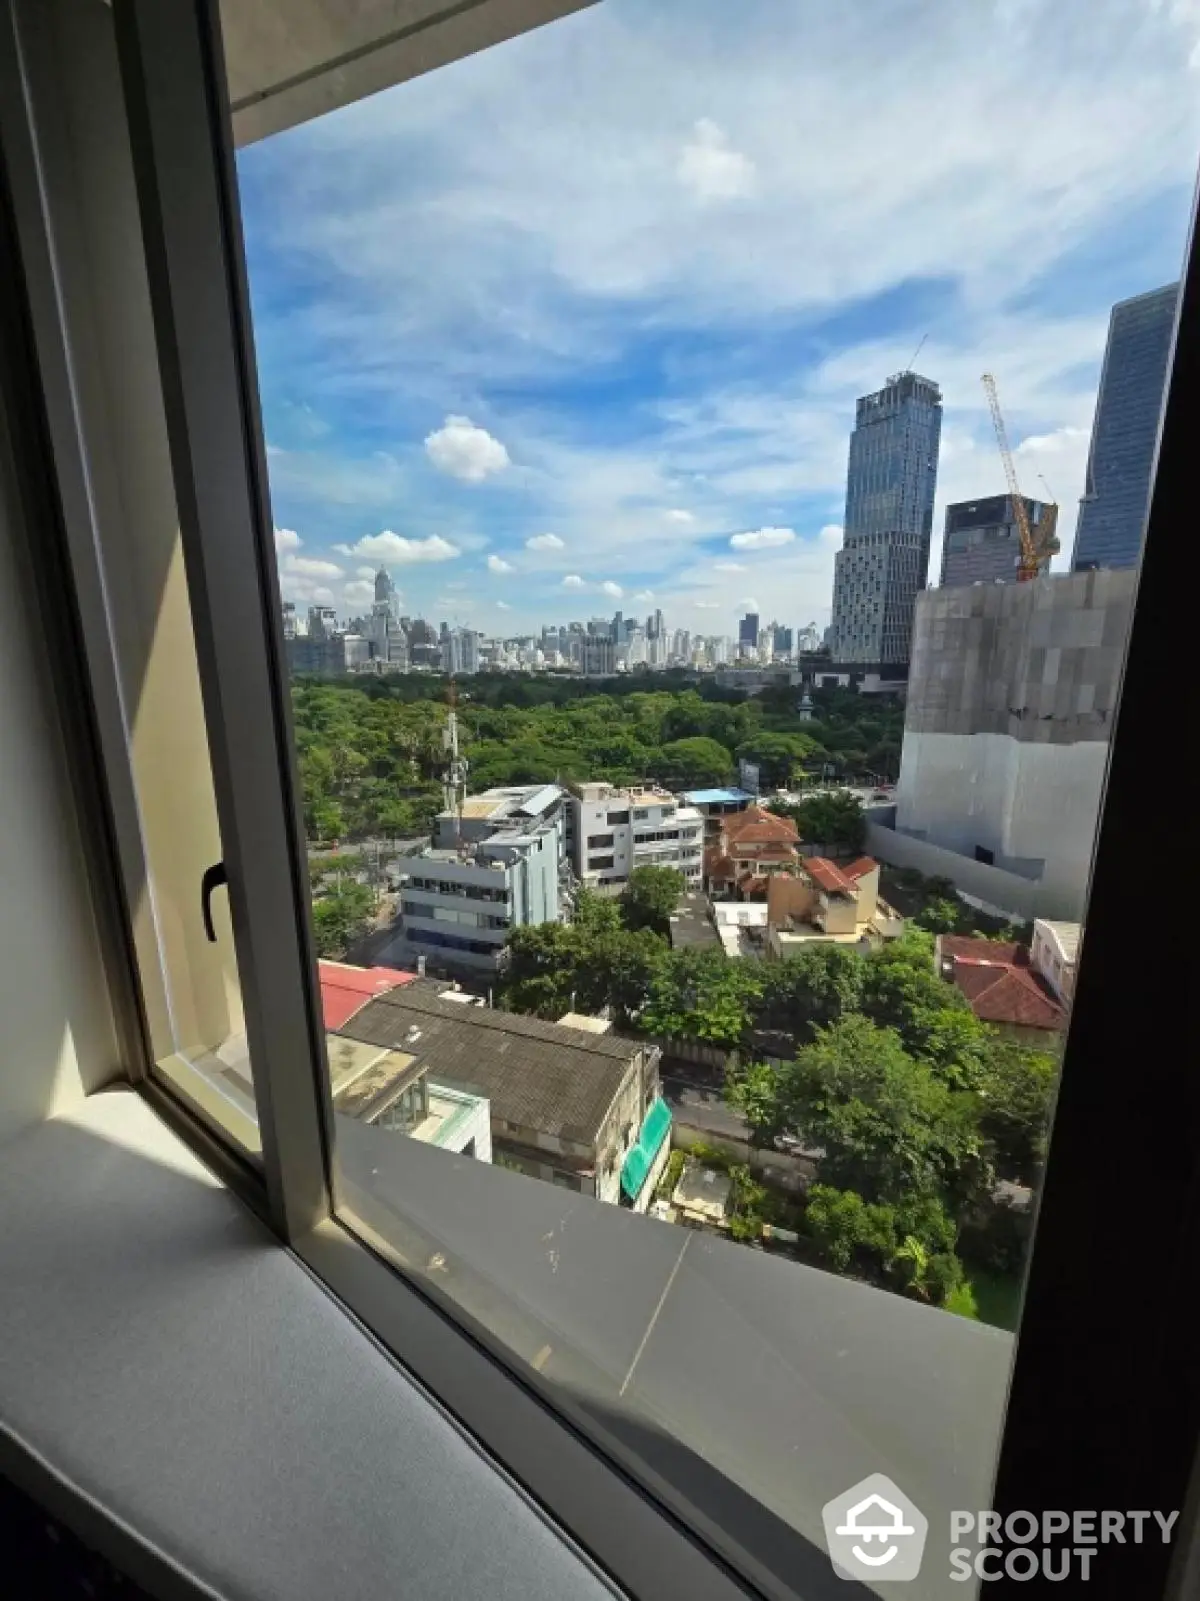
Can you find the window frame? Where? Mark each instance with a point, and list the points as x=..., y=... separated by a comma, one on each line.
x=1095, y=1432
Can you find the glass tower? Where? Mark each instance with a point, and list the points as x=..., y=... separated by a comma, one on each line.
x=1112, y=513
x=890, y=485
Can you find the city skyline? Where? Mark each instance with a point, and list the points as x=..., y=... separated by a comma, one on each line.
x=528, y=369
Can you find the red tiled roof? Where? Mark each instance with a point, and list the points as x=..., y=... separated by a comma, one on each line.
x=997, y=980
x=970, y=948
x=753, y=884
x=718, y=866
x=766, y=853
x=828, y=877
x=1014, y=996
x=346, y=990
x=756, y=825
x=860, y=868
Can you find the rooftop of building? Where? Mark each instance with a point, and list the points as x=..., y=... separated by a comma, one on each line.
x=692, y=924
x=716, y=797
x=539, y=1075
x=829, y=876
x=758, y=826
x=1065, y=935
x=346, y=989
x=997, y=980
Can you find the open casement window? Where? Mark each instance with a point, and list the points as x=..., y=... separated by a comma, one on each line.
x=607, y=1362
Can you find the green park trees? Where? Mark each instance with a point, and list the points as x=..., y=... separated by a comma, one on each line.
x=650, y=895
x=370, y=749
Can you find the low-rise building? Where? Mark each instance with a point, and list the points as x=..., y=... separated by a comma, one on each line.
x=741, y=927
x=750, y=849
x=714, y=804
x=702, y=1197
x=826, y=903
x=613, y=831
x=1054, y=953
x=574, y=1107
x=498, y=864
x=1002, y=985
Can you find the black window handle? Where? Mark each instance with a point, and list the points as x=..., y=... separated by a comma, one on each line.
x=213, y=878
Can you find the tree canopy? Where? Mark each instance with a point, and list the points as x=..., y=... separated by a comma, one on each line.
x=650, y=895
x=370, y=749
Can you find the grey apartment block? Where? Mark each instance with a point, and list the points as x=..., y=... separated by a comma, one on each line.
x=890, y=484
x=499, y=865
x=1039, y=662
x=1112, y=513
x=982, y=543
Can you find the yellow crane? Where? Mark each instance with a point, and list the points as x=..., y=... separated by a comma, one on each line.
x=1038, y=543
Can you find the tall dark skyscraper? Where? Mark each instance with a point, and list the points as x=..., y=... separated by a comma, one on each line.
x=890, y=485
x=748, y=631
x=1112, y=512
x=983, y=542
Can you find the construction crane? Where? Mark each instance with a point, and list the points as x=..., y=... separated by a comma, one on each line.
x=1040, y=542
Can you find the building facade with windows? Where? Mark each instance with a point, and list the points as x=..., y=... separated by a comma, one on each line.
x=1112, y=513
x=499, y=864
x=890, y=484
x=612, y=831
x=982, y=543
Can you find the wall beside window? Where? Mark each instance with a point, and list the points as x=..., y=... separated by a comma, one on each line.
x=59, y=1041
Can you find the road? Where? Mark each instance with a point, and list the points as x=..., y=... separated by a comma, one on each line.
x=703, y=1107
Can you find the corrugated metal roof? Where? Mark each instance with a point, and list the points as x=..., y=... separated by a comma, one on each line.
x=538, y=801
x=536, y=1075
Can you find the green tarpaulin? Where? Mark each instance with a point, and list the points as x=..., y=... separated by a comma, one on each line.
x=655, y=1129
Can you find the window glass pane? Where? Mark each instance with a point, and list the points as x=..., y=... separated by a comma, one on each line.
x=168, y=829
x=703, y=685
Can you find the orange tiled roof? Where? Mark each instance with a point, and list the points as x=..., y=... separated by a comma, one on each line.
x=755, y=825
x=860, y=868
x=828, y=877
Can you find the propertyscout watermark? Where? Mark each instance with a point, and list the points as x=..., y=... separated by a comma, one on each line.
x=874, y=1532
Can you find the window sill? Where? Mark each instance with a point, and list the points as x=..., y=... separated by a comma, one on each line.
x=176, y=1387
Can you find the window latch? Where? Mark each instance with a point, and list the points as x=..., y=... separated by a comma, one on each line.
x=214, y=877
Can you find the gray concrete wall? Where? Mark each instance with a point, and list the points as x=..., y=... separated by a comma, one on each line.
x=1022, y=899
x=1038, y=661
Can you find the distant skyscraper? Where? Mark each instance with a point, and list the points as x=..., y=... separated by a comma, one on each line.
x=385, y=592
x=748, y=631
x=1112, y=513
x=890, y=485
x=983, y=543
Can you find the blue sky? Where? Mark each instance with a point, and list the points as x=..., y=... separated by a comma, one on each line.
x=578, y=323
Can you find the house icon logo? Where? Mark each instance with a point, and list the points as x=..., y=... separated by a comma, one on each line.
x=874, y=1532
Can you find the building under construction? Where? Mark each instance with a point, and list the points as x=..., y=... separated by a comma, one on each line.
x=1012, y=693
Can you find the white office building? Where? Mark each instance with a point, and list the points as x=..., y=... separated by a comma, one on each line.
x=612, y=831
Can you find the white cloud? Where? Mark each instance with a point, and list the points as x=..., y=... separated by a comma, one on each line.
x=706, y=605
x=366, y=572
x=609, y=588
x=388, y=546
x=287, y=539
x=573, y=581
x=544, y=542
x=643, y=594
x=502, y=605
x=464, y=451
x=684, y=519
x=763, y=539
x=310, y=567
x=497, y=564
x=749, y=603
x=711, y=168
x=359, y=593
x=729, y=567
